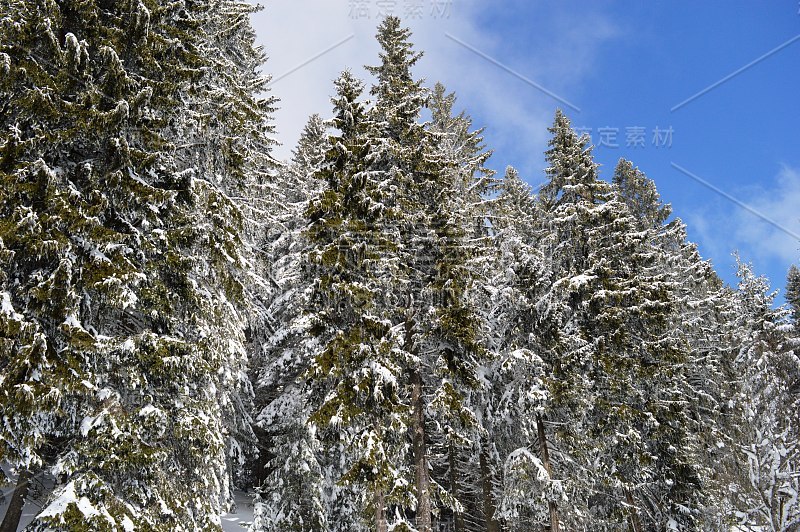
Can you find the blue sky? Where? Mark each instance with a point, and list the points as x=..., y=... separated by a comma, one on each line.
x=625, y=65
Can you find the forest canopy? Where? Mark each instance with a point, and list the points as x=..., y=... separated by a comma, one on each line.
x=379, y=334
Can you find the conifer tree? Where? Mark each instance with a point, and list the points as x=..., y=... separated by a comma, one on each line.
x=640, y=195
x=619, y=307
x=357, y=369
x=309, y=156
x=699, y=331
x=442, y=330
x=678, y=478
x=793, y=291
x=390, y=255
x=525, y=322
x=117, y=374
x=703, y=322
x=570, y=233
x=458, y=453
x=292, y=482
x=770, y=442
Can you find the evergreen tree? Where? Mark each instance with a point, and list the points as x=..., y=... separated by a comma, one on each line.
x=524, y=318
x=123, y=347
x=442, y=330
x=703, y=322
x=309, y=156
x=227, y=135
x=793, y=291
x=690, y=326
x=390, y=256
x=457, y=453
x=357, y=369
x=620, y=382
x=770, y=442
x=640, y=195
x=291, y=479
x=699, y=333
x=574, y=233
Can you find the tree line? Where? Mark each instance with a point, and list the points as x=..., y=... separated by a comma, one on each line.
x=380, y=334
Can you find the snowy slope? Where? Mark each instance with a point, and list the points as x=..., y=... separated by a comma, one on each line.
x=242, y=517
x=237, y=521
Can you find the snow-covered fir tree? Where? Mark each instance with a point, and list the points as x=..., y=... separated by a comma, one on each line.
x=123, y=267
x=403, y=342
x=524, y=318
x=671, y=491
x=460, y=455
x=373, y=335
x=226, y=134
x=793, y=291
x=619, y=382
x=699, y=336
x=769, y=368
x=291, y=477
x=356, y=372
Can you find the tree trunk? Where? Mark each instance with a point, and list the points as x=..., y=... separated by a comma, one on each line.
x=14, y=511
x=422, y=476
x=489, y=506
x=458, y=517
x=381, y=525
x=554, y=526
x=633, y=518
x=423, y=480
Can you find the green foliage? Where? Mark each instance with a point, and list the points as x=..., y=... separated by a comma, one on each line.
x=425, y=341
x=122, y=262
x=793, y=290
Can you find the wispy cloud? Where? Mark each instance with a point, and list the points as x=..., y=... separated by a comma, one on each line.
x=781, y=201
x=723, y=226
x=516, y=114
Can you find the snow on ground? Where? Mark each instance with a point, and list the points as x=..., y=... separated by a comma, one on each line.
x=237, y=521
x=243, y=516
x=41, y=487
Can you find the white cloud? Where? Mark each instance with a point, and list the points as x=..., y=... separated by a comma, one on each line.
x=723, y=227
x=516, y=114
x=778, y=203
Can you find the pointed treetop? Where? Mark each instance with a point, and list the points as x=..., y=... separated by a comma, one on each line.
x=399, y=97
x=514, y=185
x=571, y=166
x=754, y=290
x=641, y=195
x=397, y=55
x=441, y=104
x=516, y=196
x=348, y=111
x=793, y=290
x=310, y=150
x=458, y=142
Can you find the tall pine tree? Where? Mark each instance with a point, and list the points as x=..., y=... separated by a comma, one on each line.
x=770, y=432
x=123, y=267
